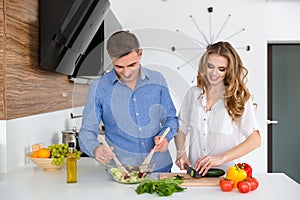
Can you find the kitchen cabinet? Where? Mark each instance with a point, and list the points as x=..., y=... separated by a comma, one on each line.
x=30, y=182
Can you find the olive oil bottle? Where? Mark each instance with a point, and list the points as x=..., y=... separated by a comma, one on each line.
x=71, y=164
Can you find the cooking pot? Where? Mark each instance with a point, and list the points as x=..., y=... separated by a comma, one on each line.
x=71, y=136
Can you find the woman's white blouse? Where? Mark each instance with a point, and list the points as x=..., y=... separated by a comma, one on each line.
x=213, y=132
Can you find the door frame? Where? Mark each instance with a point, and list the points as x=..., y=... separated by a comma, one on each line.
x=270, y=99
x=270, y=106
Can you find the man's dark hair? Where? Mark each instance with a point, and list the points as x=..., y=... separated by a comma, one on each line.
x=122, y=43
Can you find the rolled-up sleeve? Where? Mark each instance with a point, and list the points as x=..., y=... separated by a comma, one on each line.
x=248, y=121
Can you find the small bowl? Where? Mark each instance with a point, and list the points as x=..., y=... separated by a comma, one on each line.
x=46, y=163
x=135, y=174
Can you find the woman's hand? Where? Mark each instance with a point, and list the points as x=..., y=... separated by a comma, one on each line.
x=103, y=154
x=181, y=159
x=161, y=146
x=205, y=163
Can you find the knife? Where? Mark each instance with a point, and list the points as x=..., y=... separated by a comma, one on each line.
x=191, y=171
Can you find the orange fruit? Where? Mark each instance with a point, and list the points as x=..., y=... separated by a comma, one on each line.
x=34, y=154
x=43, y=153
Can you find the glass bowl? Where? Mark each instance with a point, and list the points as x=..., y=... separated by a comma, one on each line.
x=135, y=174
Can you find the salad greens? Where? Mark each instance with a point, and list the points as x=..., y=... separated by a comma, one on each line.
x=134, y=176
x=163, y=187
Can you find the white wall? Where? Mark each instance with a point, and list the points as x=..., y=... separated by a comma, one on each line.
x=264, y=21
x=2, y=145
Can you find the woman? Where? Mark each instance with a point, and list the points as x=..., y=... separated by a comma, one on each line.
x=218, y=113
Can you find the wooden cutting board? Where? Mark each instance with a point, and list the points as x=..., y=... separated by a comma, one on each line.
x=189, y=181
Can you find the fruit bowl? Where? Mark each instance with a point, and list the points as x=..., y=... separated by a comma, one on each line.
x=46, y=163
x=135, y=174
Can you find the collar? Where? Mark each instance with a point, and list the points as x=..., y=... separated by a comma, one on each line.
x=219, y=105
x=114, y=78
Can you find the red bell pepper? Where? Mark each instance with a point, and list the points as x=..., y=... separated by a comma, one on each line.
x=246, y=167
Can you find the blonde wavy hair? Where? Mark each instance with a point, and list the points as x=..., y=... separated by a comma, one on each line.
x=236, y=92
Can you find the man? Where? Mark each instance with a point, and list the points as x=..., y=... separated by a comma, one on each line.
x=134, y=105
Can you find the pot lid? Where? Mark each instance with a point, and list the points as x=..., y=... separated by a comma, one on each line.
x=74, y=130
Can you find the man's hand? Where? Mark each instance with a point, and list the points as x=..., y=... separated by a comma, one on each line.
x=103, y=154
x=161, y=146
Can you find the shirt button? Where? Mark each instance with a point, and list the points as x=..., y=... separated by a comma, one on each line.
x=133, y=99
x=142, y=143
x=136, y=114
x=140, y=128
x=204, y=119
x=204, y=149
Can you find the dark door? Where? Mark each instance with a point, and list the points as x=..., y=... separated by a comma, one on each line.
x=284, y=109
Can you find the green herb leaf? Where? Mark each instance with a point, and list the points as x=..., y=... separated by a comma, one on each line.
x=164, y=187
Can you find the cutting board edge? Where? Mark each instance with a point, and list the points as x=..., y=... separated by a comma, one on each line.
x=191, y=182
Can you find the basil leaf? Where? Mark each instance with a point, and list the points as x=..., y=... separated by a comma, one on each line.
x=164, y=187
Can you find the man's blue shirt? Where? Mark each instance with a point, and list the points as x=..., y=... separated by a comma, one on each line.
x=131, y=118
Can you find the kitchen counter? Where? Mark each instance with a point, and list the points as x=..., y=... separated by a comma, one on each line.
x=30, y=182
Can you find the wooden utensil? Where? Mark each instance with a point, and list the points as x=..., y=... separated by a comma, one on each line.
x=118, y=163
x=145, y=163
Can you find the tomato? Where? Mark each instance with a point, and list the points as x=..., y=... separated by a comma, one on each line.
x=244, y=186
x=254, y=182
x=226, y=185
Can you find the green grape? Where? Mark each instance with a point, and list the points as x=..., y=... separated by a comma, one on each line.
x=60, y=151
x=54, y=161
x=78, y=154
x=58, y=162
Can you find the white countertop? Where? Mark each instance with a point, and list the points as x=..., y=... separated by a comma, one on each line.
x=30, y=182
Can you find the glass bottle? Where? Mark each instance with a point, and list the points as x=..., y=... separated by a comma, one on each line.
x=71, y=164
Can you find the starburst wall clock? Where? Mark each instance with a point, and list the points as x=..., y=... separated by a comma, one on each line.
x=206, y=40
